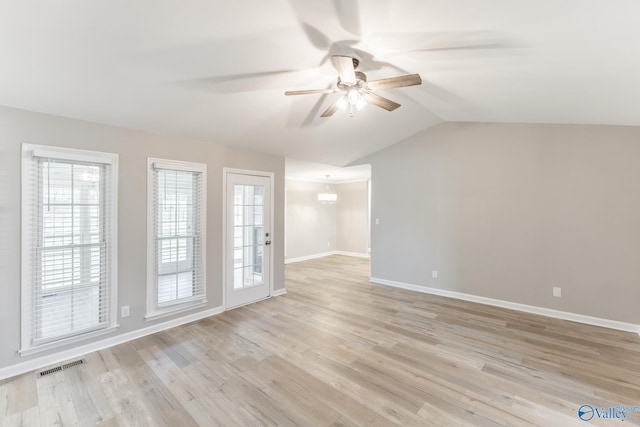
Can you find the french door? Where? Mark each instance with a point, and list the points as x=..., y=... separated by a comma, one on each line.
x=248, y=237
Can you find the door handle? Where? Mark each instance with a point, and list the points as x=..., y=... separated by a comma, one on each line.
x=268, y=242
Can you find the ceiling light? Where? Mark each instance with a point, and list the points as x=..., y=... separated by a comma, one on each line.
x=342, y=103
x=353, y=95
x=354, y=99
x=327, y=197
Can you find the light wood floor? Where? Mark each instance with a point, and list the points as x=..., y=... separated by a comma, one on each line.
x=337, y=350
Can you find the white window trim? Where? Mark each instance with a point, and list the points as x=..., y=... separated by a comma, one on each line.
x=153, y=312
x=28, y=152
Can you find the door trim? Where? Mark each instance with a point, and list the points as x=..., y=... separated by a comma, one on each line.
x=225, y=172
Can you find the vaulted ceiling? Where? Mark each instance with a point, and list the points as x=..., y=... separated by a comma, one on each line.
x=217, y=70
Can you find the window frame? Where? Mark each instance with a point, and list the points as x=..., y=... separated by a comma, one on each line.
x=27, y=327
x=153, y=309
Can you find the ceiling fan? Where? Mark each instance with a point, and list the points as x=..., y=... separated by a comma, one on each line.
x=357, y=91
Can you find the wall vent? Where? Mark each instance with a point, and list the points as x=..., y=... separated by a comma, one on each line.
x=61, y=367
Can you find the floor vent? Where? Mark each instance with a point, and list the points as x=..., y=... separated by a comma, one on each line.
x=51, y=371
x=61, y=367
x=72, y=364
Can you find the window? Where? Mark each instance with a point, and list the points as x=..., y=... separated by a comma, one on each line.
x=176, y=236
x=68, y=245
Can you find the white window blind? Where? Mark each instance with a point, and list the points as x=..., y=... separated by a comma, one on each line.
x=69, y=285
x=177, y=217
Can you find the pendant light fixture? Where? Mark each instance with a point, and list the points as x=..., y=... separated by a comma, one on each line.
x=327, y=197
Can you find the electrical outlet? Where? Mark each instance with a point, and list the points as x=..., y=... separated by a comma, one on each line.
x=377, y=221
x=434, y=274
x=557, y=292
x=124, y=311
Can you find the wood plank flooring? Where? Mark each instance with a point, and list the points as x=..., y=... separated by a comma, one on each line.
x=339, y=351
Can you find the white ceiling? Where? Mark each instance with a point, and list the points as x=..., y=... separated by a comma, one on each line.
x=179, y=66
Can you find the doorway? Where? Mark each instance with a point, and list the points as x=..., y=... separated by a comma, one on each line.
x=248, y=235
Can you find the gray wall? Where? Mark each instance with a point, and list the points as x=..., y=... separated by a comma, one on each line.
x=311, y=225
x=314, y=228
x=507, y=211
x=17, y=127
x=352, y=221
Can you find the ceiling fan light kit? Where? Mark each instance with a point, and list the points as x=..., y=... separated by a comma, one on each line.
x=356, y=91
x=352, y=99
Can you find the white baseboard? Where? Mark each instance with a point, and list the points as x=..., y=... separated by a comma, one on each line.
x=564, y=315
x=353, y=254
x=324, y=254
x=278, y=292
x=307, y=257
x=41, y=362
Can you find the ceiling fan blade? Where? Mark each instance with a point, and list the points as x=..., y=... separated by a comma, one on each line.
x=406, y=42
x=311, y=15
x=245, y=82
x=402, y=81
x=313, y=113
x=332, y=109
x=318, y=39
x=381, y=102
x=308, y=91
x=349, y=15
x=344, y=65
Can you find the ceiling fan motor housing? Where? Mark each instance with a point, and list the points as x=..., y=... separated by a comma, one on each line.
x=361, y=79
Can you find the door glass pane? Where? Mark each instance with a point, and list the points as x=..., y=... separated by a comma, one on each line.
x=257, y=215
x=248, y=236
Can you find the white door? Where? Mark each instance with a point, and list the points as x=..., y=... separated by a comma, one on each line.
x=248, y=236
